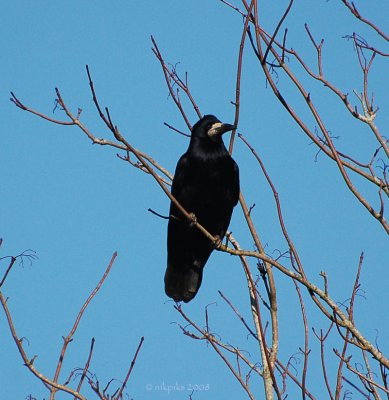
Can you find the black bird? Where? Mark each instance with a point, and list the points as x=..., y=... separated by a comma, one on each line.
x=206, y=184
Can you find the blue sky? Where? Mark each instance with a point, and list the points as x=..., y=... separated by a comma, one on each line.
x=75, y=203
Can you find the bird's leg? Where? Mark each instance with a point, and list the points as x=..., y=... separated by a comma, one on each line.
x=193, y=220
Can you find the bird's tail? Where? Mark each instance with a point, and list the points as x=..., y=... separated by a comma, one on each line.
x=183, y=283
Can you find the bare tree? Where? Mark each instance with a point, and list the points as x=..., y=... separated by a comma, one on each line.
x=360, y=364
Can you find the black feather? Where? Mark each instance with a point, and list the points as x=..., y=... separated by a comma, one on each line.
x=206, y=183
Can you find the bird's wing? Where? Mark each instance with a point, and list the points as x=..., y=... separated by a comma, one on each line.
x=179, y=176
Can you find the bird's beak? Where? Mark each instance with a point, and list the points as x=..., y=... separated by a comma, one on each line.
x=218, y=128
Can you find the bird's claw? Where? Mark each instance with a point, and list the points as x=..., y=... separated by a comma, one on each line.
x=193, y=220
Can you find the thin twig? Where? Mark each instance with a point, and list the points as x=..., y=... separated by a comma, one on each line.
x=119, y=395
x=86, y=367
x=69, y=337
x=238, y=314
x=210, y=339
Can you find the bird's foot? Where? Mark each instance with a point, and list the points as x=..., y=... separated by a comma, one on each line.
x=217, y=242
x=193, y=220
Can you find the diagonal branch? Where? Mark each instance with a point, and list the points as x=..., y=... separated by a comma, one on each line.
x=29, y=363
x=69, y=337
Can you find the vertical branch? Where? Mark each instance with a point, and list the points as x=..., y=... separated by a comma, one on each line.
x=318, y=48
x=364, y=98
x=322, y=338
x=268, y=364
x=239, y=76
x=339, y=377
x=306, y=341
x=355, y=288
x=371, y=385
x=384, y=376
x=272, y=285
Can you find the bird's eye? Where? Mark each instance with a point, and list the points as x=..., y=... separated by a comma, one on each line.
x=209, y=126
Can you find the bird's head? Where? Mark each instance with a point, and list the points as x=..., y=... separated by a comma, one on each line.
x=210, y=128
